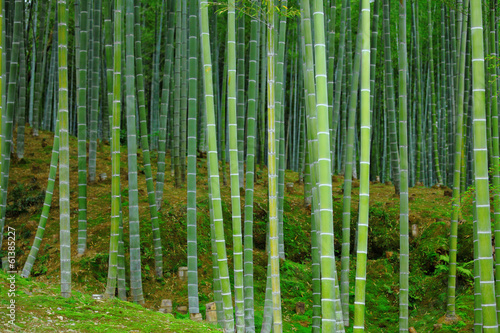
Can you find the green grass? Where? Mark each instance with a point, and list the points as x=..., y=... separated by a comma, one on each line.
x=40, y=308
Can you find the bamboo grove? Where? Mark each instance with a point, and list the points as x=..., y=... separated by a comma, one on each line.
x=374, y=91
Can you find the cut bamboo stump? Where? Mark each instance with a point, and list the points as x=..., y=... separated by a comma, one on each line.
x=300, y=308
x=182, y=273
x=182, y=309
x=211, y=313
x=195, y=317
x=166, y=306
x=414, y=230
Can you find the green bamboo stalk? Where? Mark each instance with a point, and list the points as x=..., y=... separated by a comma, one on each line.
x=337, y=99
x=348, y=170
x=165, y=103
x=280, y=115
x=419, y=97
x=213, y=168
x=478, y=311
x=34, y=58
x=81, y=100
x=177, y=98
x=253, y=84
x=8, y=114
x=325, y=207
x=272, y=176
x=183, y=93
x=223, y=117
x=30, y=261
x=94, y=93
x=21, y=112
x=115, y=151
x=442, y=137
x=240, y=102
x=234, y=166
x=192, y=258
x=145, y=144
x=108, y=52
x=346, y=224
x=65, y=241
x=310, y=192
x=450, y=308
x=364, y=187
x=155, y=81
x=122, y=283
x=404, y=264
x=262, y=100
x=133, y=196
x=481, y=172
x=217, y=286
x=373, y=54
x=391, y=108
x=330, y=70
x=495, y=153
x=45, y=10
x=433, y=101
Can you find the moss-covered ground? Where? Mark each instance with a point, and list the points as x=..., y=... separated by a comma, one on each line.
x=39, y=308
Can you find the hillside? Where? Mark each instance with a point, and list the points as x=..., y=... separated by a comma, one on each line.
x=429, y=212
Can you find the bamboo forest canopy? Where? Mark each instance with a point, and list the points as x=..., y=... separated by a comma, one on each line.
x=372, y=91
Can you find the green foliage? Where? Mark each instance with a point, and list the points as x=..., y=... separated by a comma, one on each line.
x=463, y=269
x=384, y=230
x=256, y=9
x=40, y=266
x=23, y=197
x=96, y=266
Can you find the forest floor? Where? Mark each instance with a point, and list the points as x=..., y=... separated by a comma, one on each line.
x=39, y=308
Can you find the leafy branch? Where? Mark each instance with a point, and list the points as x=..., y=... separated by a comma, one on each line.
x=255, y=9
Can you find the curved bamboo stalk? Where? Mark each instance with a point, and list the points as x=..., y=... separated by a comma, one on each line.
x=214, y=170
x=30, y=261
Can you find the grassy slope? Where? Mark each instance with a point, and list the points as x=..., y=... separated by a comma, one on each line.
x=429, y=211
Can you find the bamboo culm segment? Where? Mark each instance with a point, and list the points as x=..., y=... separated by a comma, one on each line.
x=65, y=241
x=212, y=161
x=485, y=257
x=364, y=187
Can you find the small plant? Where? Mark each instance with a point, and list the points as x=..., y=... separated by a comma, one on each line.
x=462, y=269
x=23, y=197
